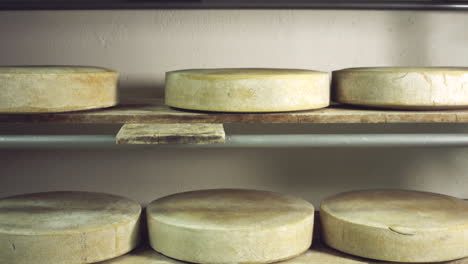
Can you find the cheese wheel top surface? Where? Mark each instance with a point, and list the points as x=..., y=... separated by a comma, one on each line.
x=398, y=210
x=406, y=69
x=51, y=69
x=247, y=89
x=229, y=209
x=64, y=212
x=243, y=73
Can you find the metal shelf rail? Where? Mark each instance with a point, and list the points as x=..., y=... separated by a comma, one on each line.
x=234, y=4
x=277, y=140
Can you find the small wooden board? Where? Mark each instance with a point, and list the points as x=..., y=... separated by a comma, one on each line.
x=171, y=134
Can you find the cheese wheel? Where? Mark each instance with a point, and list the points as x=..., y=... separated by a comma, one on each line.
x=402, y=87
x=56, y=89
x=394, y=225
x=67, y=227
x=247, y=90
x=230, y=226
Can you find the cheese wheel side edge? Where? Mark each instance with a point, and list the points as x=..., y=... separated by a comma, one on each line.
x=85, y=247
x=274, y=93
x=176, y=240
x=402, y=88
x=51, y=92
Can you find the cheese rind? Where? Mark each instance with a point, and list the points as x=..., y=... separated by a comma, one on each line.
x=393, y=225
x=402, y=87
x=230, y=226
x=247, y=90
x=56, y=89
x=318, y=254
x=67, y=227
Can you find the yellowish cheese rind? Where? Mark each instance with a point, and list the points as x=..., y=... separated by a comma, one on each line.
x=43, y=89
x=247, y=90
x=318, y=254
x=419, y=88
x=230, y=226
x=396, y=225
x=67, y=227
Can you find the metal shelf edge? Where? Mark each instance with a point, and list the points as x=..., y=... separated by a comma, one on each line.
x=260, y=141
x=212, y=4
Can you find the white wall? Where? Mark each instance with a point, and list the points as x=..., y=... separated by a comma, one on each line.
x=142, y=45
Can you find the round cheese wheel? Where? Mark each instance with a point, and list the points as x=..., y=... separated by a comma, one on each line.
x=56, y=89
x=67, y=227
x=393, y=225
x=402, y=87
x=247, y=90
x=230, y=226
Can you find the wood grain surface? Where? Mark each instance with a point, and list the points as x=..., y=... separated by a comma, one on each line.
x=194, y=133
x=154, y=111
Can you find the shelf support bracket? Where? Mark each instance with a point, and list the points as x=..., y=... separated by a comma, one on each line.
x=196, y=133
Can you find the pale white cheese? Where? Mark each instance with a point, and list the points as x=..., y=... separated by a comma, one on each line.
x=402, y=87
x=230, y=226
x=67, y=227
x=318, y=254
x=315, y=256
x=56, y=89
x=247, y=90
x=394, y=225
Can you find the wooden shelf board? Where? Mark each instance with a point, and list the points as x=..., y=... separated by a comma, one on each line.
x=154, y=111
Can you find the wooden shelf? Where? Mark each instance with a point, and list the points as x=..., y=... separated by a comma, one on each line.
x=154, y=111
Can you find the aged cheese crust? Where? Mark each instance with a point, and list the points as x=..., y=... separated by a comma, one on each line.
x=402, y=87
x=247, y=90
x=230, y=226
x=67, y=228
x=318, y=254
x=400, y=226
x=56, y=89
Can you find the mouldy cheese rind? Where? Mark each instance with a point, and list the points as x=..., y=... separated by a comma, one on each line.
x=44, y=89
x=395, y=225
x=247, y=90
x=318, y=254
x=67, y=227
x=230, y=226
x=423, y=88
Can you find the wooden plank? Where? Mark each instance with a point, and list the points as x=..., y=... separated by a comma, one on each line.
x=171, y=134
x=154, y=111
